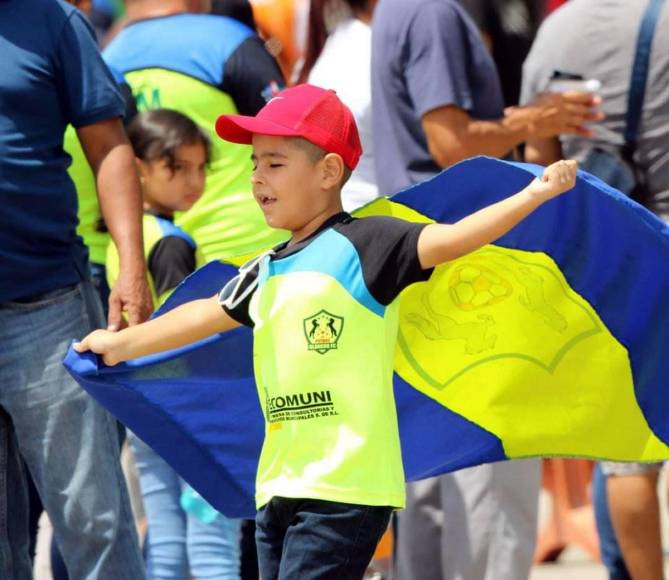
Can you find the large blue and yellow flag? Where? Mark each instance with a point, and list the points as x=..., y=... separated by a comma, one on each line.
x=553, y=341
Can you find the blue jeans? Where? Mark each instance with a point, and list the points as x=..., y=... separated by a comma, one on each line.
x=99, y=280
x=611, y=554
x=179, y=545
x=314, y=539
x=68, y=441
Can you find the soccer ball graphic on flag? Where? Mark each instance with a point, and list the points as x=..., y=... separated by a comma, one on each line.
x=474, y=286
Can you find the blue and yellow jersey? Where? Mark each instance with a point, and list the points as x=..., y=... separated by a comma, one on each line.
x=325, y=321
x=204, y=66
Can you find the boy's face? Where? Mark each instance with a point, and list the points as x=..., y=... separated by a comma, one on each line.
x=289, y=185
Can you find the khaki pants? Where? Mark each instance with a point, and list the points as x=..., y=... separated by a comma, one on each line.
x=475, y=524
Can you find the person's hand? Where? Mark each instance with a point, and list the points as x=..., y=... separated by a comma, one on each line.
x=553, y=114
x=130, y=294
x=104, y=343
x=557, y=178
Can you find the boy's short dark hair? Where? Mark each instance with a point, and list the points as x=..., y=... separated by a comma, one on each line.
x=315, y=154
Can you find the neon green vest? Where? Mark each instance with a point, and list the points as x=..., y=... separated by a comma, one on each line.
x=154, y=229
x=89, y=208
x=226, y=222
x=323, y=355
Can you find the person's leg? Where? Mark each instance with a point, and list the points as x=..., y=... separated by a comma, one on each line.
x=611, y=554
x=472, y=524
x=35, y=510
x=490, y=521
x=249, y=553
x=331, y=540
x=213, y=548
x=99, y=281
x=166, y=522
x=419, y=531
x=58, y=568
x=15, y=561
x=98, y=274
x=635, y=514
x=68, y=441
x=272, y=521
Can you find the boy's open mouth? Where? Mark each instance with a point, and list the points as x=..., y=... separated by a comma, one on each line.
x=265, y=200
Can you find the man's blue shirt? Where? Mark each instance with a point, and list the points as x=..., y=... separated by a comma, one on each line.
x=51, y=74
x=426, y=54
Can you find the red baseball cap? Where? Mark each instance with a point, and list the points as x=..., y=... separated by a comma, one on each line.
x=306, y=111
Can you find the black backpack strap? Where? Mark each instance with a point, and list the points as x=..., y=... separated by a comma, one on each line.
x=637, y=91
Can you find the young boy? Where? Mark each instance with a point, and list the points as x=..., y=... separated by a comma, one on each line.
x=324, y=312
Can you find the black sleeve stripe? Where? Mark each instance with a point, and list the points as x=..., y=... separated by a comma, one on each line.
x=388, y=251
x=251, y=75
x=169, y=262
x=229, y=297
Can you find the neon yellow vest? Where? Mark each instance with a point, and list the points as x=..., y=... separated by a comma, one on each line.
x=89, y=208
x=154, y=229
x=323, y=355
x=226, y=222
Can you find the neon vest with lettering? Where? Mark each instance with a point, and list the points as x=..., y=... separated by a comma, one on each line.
x=154, y=229
x=323, y=355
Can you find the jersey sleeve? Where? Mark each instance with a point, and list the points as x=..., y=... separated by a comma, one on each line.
x=436, y=62
x=87, y=89
x=388, y=250
x=251, y=76
x=170, y=261
x=235, y=297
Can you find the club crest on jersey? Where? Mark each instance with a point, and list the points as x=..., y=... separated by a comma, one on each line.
x=322, y=331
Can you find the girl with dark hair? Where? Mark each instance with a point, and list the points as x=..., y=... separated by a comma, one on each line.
x=338, y=56
x=171, y=154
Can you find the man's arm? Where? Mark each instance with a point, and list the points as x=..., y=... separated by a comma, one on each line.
x=185, y=324
x=439, y=243
x=113, y=162
x=453, y=135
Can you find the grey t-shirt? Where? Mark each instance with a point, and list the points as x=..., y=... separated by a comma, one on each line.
x=426, y=54
x=597, y=39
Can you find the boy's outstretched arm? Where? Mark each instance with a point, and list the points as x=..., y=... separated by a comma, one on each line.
x=185, y=324
x=439, y=243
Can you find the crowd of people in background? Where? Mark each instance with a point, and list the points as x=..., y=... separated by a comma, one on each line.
x=125, y=95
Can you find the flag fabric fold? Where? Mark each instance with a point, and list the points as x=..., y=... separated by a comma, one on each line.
x=550, y=342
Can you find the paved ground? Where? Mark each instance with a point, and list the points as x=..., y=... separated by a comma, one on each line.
x=573, y=564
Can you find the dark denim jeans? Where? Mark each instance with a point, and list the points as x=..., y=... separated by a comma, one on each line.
x=99, y=280
x=314, y=539
x=68, y=441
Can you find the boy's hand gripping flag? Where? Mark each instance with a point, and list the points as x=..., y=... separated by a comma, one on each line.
x=551, y=342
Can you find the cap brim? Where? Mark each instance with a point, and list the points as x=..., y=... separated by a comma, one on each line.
x=241, y=128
